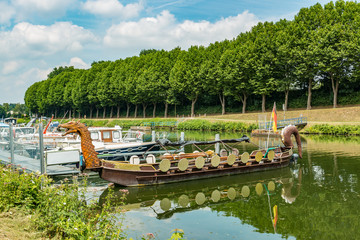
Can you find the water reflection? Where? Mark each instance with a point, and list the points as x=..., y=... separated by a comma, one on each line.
x=318, y=198
x=242, y=192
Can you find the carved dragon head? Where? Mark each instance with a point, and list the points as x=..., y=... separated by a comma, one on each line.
x=88, y=150
x=73, y=127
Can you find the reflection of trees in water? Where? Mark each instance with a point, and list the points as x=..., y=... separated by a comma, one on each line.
x=323, y=190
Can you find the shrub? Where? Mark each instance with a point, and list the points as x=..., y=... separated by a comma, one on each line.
x=60, y=210
x=333, y=129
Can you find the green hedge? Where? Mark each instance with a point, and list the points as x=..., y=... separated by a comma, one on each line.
x=216, y=126
x=333, y=129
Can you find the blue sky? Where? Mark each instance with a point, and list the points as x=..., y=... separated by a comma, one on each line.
x=38, y=35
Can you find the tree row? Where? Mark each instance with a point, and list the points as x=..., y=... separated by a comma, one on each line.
x=318, y=49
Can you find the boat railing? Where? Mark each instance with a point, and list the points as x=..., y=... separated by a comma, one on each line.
x=284, y=123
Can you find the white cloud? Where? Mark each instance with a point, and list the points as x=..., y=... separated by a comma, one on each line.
x=14, y=86
x=165, y=32
x=7, y=12
x=77, y=62
x=44, y=8
x=10, y=67
x=113, y=8
x=31, y=41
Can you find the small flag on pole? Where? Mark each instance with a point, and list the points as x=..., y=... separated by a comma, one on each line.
x=275, y=210
x=274, y=117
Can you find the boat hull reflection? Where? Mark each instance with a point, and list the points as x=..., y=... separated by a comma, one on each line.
x=188, y=196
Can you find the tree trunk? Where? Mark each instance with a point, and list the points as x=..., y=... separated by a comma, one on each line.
x=222, y=101
x=79, y=114
x=97, y=113
x=144, y=110
x=166, y=110
x=118, y=112
x=74, y=114
x=127, y=109
x=55, y=116
x=91, y=112
x=335, y=88
x=154, y=110
x=70, y=114
x=175, y=110
x=104, y=113
x=263, y=103
x=111, y=111
x=243, y=100
x=193, y=106
x=286, y=99
x=135, y=113
x=309, y=95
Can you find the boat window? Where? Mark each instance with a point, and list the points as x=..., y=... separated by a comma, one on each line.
x=116, y=135
x=106, y=135
x=94, y=136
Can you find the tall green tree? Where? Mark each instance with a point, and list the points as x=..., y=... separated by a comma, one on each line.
x=185, y=77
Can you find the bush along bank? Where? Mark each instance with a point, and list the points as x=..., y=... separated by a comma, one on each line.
x=193, y=124
x=126, y=123
x=216, y=126
x=333, y=129
x=62, y=210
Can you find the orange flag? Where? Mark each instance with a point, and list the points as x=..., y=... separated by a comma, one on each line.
x=275, y=210
x=274, y=117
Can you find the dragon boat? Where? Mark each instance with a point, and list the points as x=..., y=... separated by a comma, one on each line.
x=184, y=166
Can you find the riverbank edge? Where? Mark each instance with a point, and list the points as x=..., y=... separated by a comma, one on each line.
x=219, y=125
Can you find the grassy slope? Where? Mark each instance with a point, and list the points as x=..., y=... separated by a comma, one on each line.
x=16, y=225
x=341, y=115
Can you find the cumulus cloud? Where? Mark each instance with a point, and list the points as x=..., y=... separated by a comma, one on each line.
x=14, y=92
x=32, y=41
x=163, y=31
x=7, y=13
x=113, y=8
x=44, y=8
x=77, y=62
x=10, y=67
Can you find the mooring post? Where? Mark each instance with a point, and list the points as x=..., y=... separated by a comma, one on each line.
x=41, y=149
x=153, y=136
x=182, y=139
x=217, y=145
x=11, y=135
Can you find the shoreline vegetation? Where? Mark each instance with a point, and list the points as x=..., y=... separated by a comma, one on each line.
x=55, y=211
x=329, y=121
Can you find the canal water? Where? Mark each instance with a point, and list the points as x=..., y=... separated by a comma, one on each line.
x=317, y=197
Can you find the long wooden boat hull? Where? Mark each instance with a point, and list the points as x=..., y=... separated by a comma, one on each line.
x=150, y=177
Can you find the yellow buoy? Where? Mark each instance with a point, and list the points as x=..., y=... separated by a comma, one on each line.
x=258, y=156
x=245, y=157
x=271, y=155
x=231, y=159
x=199, y=162
x=164, y=165
x=183, y=164
x=215, y=161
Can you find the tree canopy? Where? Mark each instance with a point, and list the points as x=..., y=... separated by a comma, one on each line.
x=317, y=51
